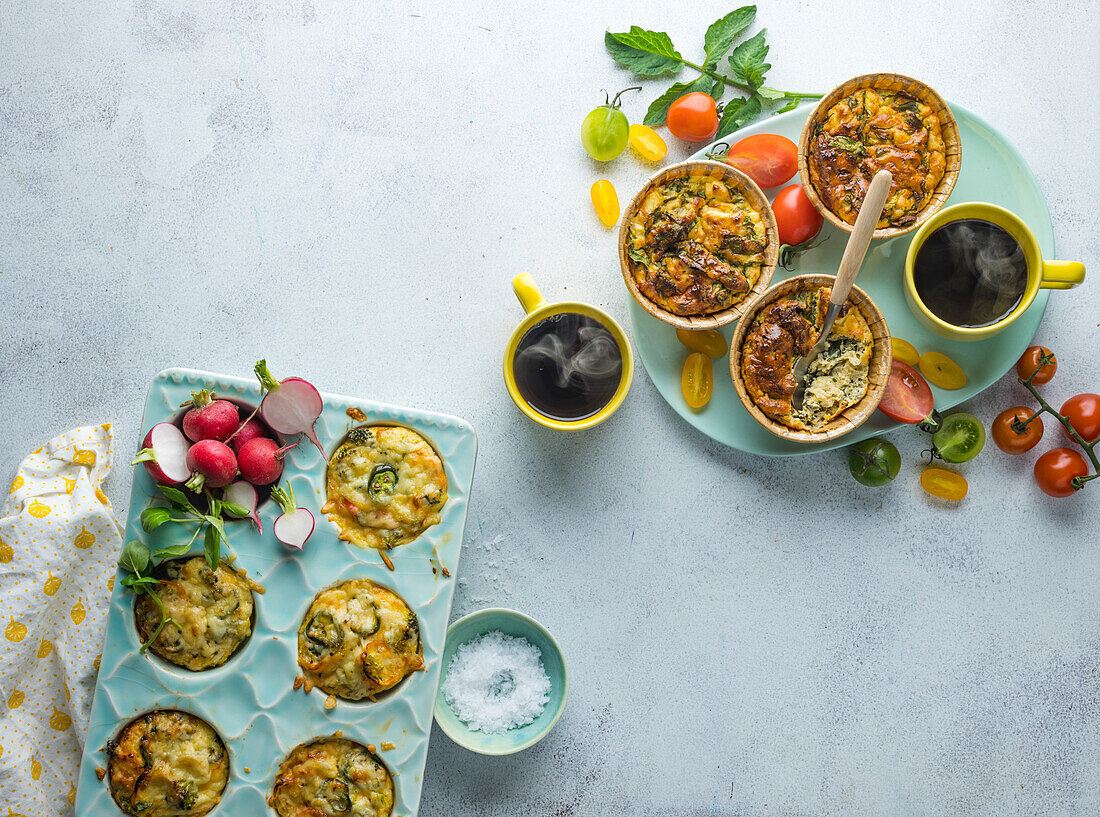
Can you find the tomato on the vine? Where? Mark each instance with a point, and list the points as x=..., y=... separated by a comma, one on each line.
x=693, y=117
x=767, y=158
x=907, y=398
x=1031, y=359
x=1083, y=413
x=1011, y=441
x=795, y=215
x=1056, y=469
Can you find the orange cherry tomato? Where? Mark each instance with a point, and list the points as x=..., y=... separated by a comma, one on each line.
x=767, y=158
x=942, y=371
x=905, y=351
x=1056, y=470
x=693, y=117
x=1032, y=359
x=697, y=381
x=1008, y=438
x=606, y=202
x=940, y=482
x=708, y=341
x=648, y=143
x=1083, y=413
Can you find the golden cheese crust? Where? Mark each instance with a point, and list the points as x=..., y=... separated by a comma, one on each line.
x=167, y=764
x=211, y=612
x=332, y=777
x=358, y=639
x=871, y=130
x=386, y=486
x=696, y=246
x=787, y=329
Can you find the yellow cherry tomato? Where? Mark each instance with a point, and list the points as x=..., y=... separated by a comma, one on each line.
x=648, y=143
x=708, y=341
x=942, y=371
x=905, y=351
x=697, y=382
x=606, y=202
x=944, y=484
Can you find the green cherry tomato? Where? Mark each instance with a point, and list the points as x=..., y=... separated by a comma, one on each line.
x=605, y=131
x=960, y=437
x=874, y=462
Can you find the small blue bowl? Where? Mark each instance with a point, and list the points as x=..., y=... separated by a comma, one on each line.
x=515, y=624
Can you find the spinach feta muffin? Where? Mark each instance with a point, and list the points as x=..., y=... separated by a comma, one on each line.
x=332, y=777
x=210, y=613
x=386, y=486
x=358, y=639
x=167, y=764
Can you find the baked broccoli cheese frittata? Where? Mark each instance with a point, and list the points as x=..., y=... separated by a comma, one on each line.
x=386, y=486
x=332, y=777
x=210, y=612
x=871, y=130
x=167, y=764
x=786, y=330
x=696, y=245
x=358, y=639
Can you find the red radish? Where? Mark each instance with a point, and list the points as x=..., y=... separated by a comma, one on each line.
x=210, y=419
x=164, y=453
x=250, y=429
x=212, y=464
x=261, y=460
x=290, y=406
x=295, y=526
x=244, y=494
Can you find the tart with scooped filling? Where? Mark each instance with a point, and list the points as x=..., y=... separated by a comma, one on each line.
x=358, y=639
x=386, y=486
x=696, y=245
x=871, y=130
x=787, y=329
x=332, y=777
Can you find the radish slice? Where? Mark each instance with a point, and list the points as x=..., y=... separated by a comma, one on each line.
x=244, y=494
x=164, y=454
x=290, y=406
x=295, y=526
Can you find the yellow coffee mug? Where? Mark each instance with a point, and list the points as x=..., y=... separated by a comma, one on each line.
x=538, y=310
x=1040, y=274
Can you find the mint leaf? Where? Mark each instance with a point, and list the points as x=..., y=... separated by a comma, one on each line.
x=177, y=496
x=747, y=61
x=721, y=34
x=647, y=53
x=235, y=509
x=134, y=558
x=171, y=551
x=153, y=518
x=737, y=114
x=212, y=547
x=658, y=111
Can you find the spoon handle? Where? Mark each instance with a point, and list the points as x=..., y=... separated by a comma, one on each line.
x=860, y=240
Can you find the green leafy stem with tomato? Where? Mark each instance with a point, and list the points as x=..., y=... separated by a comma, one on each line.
x=1020, y=426
x=652, y=54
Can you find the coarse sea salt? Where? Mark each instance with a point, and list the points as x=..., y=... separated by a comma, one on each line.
x=496, y=682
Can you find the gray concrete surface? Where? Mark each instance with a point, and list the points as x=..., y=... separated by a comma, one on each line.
x=347, y=188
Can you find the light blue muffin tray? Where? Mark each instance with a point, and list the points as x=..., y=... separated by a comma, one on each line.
x=250, y=700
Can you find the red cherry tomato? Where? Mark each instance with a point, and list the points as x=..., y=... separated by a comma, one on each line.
x=907, y=398
x=1031, y=359
x=767, y=158
x=1083, y=413
x=693, y=118
x=1055, y=470
x=795, y=216
x=1011, y=441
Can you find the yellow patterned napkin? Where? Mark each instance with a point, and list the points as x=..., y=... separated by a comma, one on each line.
x=58, y=545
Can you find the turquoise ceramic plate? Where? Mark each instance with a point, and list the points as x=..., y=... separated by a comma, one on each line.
x=991, y=171
x=518, y=625
x=250, y=700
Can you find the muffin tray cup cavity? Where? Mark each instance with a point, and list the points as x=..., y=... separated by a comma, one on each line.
x=251, y=701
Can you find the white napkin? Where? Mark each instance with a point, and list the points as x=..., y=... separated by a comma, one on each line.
x=58, y=545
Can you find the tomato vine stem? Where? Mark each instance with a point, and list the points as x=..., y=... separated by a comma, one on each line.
x=702, y=69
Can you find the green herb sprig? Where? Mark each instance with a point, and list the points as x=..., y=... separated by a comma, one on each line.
x=652, y=54
x=134, y=561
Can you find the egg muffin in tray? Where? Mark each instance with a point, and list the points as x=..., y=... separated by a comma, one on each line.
x=358, y=639
x=386, y=486
x=167, y=764
x=332, y=777
x=210, y=612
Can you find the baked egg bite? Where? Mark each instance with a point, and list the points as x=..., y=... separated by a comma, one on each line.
x=332, y=777
x=210, y=613
x=358, y=639
x=386, y=486
x=167, y=764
